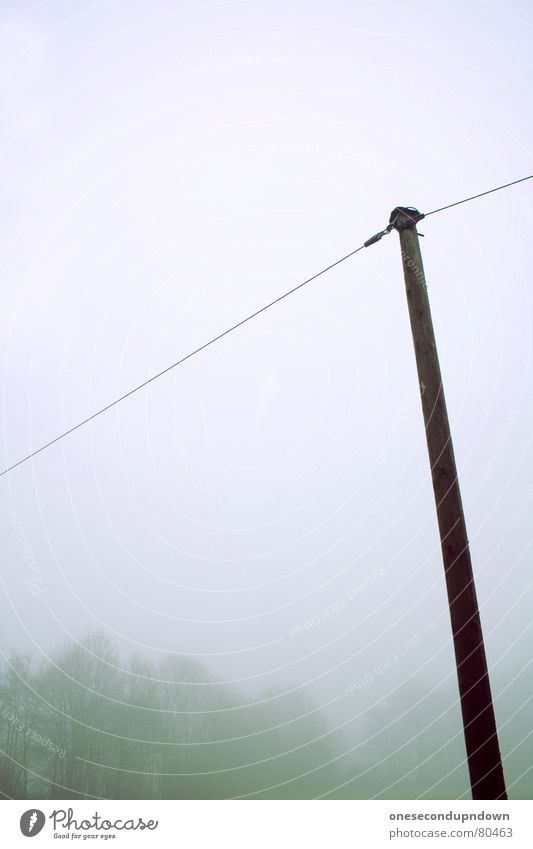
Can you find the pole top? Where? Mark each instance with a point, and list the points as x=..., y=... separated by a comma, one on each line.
x=405, y=217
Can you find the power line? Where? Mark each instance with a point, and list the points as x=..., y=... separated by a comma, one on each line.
x=178, y=362
x=371, y=241
x=481, y=194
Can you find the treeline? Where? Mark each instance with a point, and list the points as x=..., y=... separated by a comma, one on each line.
x=85, y=724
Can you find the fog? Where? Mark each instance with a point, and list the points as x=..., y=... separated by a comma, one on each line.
x=260, y=518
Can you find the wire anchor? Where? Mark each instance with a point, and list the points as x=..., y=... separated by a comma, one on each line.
x=377, y=236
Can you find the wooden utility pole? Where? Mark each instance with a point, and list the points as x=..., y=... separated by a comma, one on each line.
x=483, y=753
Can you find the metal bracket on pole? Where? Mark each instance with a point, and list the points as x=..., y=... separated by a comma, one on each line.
x=404, y=218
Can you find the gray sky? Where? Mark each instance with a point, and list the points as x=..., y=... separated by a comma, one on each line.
x=167, y=169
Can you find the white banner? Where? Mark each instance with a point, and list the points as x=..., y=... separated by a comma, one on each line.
x=268, y=825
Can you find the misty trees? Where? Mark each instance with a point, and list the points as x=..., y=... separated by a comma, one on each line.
x=15, y=710
x=87, y=723
x=74, y=690
x=290, y=751
x=411, y=745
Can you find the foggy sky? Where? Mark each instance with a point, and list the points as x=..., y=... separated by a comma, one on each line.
x=168, y=168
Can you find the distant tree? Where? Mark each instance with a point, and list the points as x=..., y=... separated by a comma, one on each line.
x=16, y=710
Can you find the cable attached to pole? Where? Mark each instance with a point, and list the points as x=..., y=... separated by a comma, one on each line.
x=371, y=241
x=480, y=195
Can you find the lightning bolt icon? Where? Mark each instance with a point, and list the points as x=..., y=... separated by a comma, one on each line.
x=33, y=820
